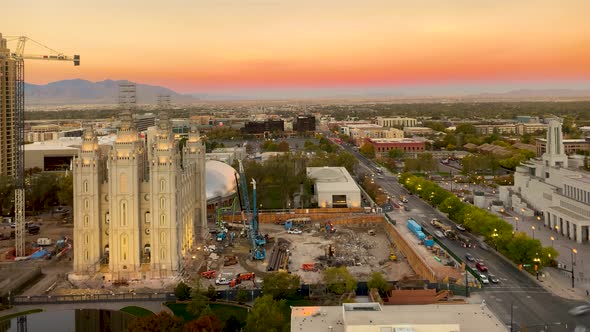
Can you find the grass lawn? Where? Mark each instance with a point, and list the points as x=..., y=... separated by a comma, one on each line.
x=22, y=313
x=137, y=311
x=222, y=311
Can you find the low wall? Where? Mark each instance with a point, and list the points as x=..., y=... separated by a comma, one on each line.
x=416, y=261
x=415, y=296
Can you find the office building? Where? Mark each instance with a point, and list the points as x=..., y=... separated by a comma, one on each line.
x=7, y=111
x=304, y=123
x=383, y=145
x=397, y=122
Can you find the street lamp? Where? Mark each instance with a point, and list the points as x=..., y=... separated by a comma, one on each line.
x=557, y=229
x=537, y=261
x=573, y=252
x=494, y=236
x=552, y=239
x=516, y=219
x=533, y=228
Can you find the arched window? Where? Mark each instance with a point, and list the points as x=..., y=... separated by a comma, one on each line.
x=163, y=253
x=162, y=237
x=162, y=203
x=162, y=220
x=123, y=213
x=86, y=255
x=86, y=220
x=86, y=204
x=85, y=185
x=148, y=217
x=162, y=185
x=87, y=239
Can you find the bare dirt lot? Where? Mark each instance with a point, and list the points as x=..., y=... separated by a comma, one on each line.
x=351, y=246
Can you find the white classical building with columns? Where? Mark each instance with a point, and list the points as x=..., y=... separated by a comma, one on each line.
x=140, y=204
x=554, y=185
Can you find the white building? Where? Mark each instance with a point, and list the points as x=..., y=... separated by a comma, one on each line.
x=372, y=317
x=396, y=122
x=555, y=186
x=139, y=208
x=334, y=187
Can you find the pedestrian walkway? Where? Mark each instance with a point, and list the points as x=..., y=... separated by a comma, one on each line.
x=570, y=252
x=155, y=307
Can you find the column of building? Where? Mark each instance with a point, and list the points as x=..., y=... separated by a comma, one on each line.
x=125, y=170
x=87, y=228
x=164, y=171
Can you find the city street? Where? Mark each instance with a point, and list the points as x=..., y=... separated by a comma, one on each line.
x=531, y=304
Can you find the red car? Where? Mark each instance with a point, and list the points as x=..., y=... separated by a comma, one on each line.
x=481, y=267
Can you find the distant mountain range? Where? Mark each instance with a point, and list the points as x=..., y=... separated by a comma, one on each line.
x=80, y=91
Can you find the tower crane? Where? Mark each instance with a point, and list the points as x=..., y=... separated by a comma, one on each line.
x=257, y=251
x=19, y=56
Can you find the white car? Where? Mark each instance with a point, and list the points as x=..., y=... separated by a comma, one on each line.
x=439, y=234
x=484, y=279
x=460, y=227
x=294, y=231
x=222, y=281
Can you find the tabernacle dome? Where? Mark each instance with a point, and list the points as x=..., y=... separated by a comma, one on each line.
x=220, y=181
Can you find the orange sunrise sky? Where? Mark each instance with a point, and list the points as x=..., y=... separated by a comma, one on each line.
x=196, y=45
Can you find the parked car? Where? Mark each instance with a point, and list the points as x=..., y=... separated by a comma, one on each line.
x=222, y=281
x=460, y=227
x=580, y=310
x=484, y=279
x=493, y=278
x=481, y=267
x=406, y=208
x=469, y=257
x=439, y=234
x=34, y=229
x=404, y=200
x=294, y=231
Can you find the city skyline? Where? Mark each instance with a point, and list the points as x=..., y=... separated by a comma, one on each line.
x=267, y=45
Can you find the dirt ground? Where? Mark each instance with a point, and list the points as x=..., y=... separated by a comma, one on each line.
x=52, y=226
x=353, y=247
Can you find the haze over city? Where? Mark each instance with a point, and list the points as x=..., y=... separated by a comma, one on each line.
x=307, y=48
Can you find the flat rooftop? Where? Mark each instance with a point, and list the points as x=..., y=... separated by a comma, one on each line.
x=415, y=318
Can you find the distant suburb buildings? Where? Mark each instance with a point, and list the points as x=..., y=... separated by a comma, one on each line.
x=554, y=186
x=7, y=111
x=139, y=207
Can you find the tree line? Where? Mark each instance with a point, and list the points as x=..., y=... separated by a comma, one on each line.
x=516, y=246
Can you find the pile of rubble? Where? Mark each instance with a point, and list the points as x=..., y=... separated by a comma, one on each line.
x=351, y=249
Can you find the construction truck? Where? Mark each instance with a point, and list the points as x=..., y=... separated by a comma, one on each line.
x=240, y=277
x=309, y=267
x=392, y=256
x=436, y=223
x=209, y=274
x=230, y=260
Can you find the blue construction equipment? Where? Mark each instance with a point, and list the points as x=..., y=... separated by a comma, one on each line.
x=258, y=253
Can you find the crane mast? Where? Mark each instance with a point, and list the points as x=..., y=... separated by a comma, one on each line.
x=19, y=129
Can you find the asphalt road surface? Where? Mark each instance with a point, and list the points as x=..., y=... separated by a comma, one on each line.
x=532, y=306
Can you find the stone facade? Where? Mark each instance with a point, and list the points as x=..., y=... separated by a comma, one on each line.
x=555, y=187
x=139, y=205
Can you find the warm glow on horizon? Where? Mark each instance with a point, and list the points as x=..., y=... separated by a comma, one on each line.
x=193, y=46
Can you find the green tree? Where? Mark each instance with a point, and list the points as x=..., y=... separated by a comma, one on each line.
x=211, y=293
x=281, y=284
x=65, y=193
x=377, y=281
x=199, y=301
x=267, y=315
x=465, y=128
x=367, y=150
x=339, y=280
x=522, y=249
x=395, y=153
x=156, y=323
x=182, y=291
x=242, y=296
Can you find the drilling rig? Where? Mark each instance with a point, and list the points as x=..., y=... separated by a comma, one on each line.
x=19, y=125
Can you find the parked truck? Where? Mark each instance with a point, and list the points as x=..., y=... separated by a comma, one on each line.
x=436, y=223
x=44, y=241
x=416, y=229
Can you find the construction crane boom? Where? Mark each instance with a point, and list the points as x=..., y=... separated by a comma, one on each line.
x=19, y=124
